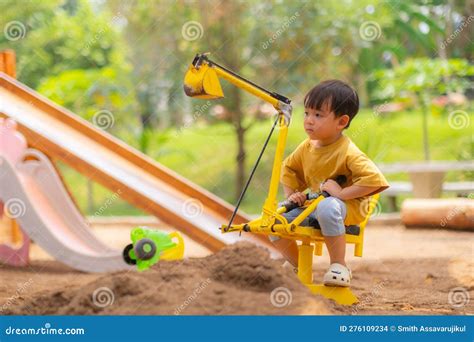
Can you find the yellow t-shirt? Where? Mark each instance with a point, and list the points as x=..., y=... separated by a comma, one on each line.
x=308, y=166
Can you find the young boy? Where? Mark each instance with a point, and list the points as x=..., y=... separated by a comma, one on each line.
x=317, y=161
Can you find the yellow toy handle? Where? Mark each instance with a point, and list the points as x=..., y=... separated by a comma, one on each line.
x=177, y=252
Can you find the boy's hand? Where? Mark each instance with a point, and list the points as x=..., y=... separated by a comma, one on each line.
x=297, y=197
x=331, y=187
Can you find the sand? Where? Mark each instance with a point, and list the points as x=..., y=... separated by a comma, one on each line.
x=402, y=272
x=240, y=279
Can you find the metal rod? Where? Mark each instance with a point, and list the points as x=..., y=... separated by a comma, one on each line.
x=252, y=173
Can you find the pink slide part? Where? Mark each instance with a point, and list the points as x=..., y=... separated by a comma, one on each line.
x=49, y=217
x=12, y=146
x=12, y=143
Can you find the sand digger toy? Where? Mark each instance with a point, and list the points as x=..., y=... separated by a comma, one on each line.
x=149, y=246
x=202, y=81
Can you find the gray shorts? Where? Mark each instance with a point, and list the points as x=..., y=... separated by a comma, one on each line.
x=330, y=214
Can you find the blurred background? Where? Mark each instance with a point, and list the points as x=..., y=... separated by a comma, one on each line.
x=410, y=61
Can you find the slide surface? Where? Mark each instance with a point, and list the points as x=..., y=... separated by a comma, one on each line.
x=62, y=135
x=46, y=213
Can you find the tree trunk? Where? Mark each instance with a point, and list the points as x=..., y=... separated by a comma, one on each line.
x=424, y=101
x=426, y=146
x=241, y=156
x=231, y=36
x=237, y=119
x=146, y=118
x=464, y=40
x=175, y=99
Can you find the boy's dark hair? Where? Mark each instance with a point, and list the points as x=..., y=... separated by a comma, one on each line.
x=340, y=98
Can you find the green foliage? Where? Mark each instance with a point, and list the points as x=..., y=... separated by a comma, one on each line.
x=88, y=92
x=57, y=40
x=429, y=77
x=129, y=58
x=420, y=80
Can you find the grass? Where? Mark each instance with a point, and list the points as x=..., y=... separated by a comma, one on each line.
x=206, y=154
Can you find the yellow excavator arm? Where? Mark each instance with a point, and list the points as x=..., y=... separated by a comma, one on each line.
x=202, y=81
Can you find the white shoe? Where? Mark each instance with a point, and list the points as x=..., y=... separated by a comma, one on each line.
x=338, y=275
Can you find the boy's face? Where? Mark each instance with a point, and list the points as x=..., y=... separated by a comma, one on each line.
x=321, y=124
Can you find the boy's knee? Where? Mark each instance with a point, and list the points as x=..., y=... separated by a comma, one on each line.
x=329, y=208
x=331, y=214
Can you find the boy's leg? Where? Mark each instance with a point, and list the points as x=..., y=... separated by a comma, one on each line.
x=331, y=213
x=337, y=249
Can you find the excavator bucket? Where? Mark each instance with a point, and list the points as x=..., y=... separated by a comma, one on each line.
x=202, y=82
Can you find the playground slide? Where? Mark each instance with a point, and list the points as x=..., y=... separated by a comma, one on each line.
x=46, y=213
x=62, y=135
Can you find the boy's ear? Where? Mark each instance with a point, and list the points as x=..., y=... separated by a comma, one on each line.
x=344, y=120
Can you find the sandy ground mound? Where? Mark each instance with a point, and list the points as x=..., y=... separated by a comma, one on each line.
x=240, y=279
x=403, y=272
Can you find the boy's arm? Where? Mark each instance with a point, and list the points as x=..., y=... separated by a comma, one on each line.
x=366, y=178
x=351, y=192
x=294, y=195
x=288, y=190
x=292, y=175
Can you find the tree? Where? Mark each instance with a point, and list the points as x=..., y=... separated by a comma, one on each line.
x=50, y=37
x=72, y=54
x=422, y=79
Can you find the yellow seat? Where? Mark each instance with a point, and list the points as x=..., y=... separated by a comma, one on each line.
x=356, y=239
x=313, y=243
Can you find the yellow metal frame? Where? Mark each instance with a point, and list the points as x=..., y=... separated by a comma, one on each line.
x=311, y=243
x=200, y=82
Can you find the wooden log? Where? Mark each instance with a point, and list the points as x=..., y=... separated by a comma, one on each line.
x=455, y=213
